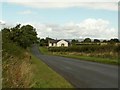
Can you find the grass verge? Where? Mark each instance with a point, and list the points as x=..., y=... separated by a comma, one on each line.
x=45, y=77
x=21, y=69
x=16, y=68
x=93, y=59
x=44, y=50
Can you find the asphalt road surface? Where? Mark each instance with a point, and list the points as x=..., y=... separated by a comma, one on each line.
x=81, y=74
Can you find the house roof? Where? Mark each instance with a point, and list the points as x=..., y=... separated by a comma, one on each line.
x=55, y=41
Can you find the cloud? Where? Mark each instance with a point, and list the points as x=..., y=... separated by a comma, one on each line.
x=96, y=28
x=100, y=4
x=92, y=28
x=2, y=22
x=26, y=12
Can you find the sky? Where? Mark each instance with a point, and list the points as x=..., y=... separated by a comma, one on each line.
x=64, y=19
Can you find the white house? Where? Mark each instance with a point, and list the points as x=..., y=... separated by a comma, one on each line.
x=58, y=43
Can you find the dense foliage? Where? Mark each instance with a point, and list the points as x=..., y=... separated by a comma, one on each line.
x=96, y=40
x=16, y=62
x=23, y=36
x=73, y=42
x=87, y=40
x=108, y=51
x=85, y=48
x=44, y=42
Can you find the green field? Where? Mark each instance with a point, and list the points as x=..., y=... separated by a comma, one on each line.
x=44, y=50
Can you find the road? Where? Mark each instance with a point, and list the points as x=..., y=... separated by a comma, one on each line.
x=81, y=74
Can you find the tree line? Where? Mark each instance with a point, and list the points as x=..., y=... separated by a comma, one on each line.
x=88, y=40
x=44, y=42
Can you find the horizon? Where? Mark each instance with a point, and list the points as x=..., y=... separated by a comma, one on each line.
x=92, y=39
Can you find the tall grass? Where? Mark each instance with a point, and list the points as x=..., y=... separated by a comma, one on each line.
x=16, y=66
x=21, y=69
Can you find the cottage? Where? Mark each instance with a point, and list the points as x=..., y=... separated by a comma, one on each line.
x=58, y=43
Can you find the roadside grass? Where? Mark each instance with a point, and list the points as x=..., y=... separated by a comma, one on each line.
x=45, y=77
x=16, y=67
x=93, y=59
x=21, y=69
x=44, y=50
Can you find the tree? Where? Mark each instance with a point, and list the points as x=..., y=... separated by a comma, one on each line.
x=44, y=42
x=23, y=36
x=74, y=42
x=15, y=33
x=27, y=36
x=96, y=40
x=87, y=40
x=115, y=40
x=5, y=33
x=104, y=41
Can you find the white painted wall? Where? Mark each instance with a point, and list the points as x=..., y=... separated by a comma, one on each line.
x=50, y=44
x=54, y=44
x=59, y=44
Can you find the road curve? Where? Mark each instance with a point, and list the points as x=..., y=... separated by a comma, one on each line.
x=81, y=74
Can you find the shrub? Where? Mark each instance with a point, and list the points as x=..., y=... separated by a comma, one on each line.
x=86, y=48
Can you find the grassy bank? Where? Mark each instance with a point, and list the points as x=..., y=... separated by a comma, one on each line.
x=75, y=55
x=45, y=77
x=16, y=67
x=21, y=69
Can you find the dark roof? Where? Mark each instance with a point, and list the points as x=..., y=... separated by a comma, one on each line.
x=53, y=41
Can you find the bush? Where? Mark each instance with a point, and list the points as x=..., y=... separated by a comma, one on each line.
x=103, y=51
x=86, y=48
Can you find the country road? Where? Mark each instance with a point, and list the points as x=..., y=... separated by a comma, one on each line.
x=81, y=74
